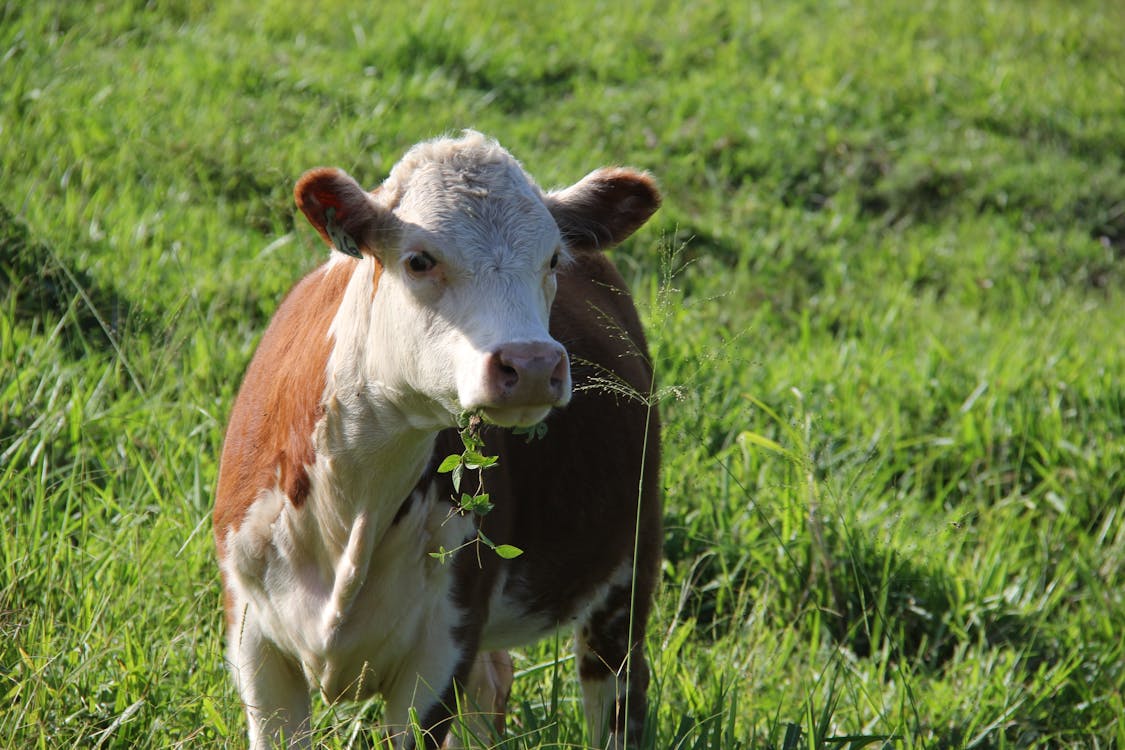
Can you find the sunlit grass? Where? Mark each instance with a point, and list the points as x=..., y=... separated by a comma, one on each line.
x=889, y=343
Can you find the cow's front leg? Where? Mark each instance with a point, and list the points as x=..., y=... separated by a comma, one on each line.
x=609, y=649
x=484, y=701
x=424, y=700
x=273, y=691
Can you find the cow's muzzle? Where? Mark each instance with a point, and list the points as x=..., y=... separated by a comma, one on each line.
x=523, y=380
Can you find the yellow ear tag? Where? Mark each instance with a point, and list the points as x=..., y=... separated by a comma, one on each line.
x=340, y=239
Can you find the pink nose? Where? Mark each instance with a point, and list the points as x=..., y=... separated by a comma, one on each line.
x=527, y=374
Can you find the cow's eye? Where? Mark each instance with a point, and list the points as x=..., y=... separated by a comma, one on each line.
x=421, y=262
x=554, y=260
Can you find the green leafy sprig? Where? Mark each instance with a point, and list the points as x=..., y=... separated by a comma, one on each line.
x=472, y=458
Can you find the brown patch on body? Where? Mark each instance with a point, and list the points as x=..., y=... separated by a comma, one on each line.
x=604, y=639
x=269, y=438
x=571, y=501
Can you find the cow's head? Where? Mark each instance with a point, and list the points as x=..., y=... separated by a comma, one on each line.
x=469, y=248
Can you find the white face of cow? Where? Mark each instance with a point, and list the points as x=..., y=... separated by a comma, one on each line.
x=465, y=295
x=470, y=248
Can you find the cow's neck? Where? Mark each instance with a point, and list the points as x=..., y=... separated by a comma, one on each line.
x=365, y=470
x=370, y=453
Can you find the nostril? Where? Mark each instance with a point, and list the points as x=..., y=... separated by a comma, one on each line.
x=503, y=371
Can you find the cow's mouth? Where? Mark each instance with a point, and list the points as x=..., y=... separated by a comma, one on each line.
x=515, y=416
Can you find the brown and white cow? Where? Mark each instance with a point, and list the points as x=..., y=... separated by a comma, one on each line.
x=457, y=285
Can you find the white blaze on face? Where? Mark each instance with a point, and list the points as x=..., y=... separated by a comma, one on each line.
x=462, y=308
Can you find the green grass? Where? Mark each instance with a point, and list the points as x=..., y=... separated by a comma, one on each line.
x=886, y=295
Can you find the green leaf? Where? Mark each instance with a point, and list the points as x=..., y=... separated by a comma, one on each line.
x=761, y=441
x=458, y=470
x=533, y=432
x=215, y=717
x=478, y=504
x=449, y=464
x=507, y=551
x=474, y=460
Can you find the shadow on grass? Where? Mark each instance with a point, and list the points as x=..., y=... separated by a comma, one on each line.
x=40, y=290
x=870, y=599
x=875, y=599
x=60, y=318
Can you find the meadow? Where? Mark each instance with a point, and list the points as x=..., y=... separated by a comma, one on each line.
x=885, y=297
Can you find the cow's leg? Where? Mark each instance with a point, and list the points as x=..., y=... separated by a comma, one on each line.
x=273, y=691
x=484, y=701
x=428, y=690
x=609, y=646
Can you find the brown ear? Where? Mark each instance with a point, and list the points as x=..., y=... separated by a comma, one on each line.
x=344, y=213
x=604, y=208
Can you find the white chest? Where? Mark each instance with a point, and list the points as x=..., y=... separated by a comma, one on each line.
x=355, y=608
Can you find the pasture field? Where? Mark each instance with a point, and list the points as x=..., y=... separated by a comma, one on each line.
x=885, y=296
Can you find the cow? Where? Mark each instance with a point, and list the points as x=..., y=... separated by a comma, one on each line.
x=455, y=287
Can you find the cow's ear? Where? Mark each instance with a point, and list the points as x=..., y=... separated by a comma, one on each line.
x=604, y=208
x=344, y=213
